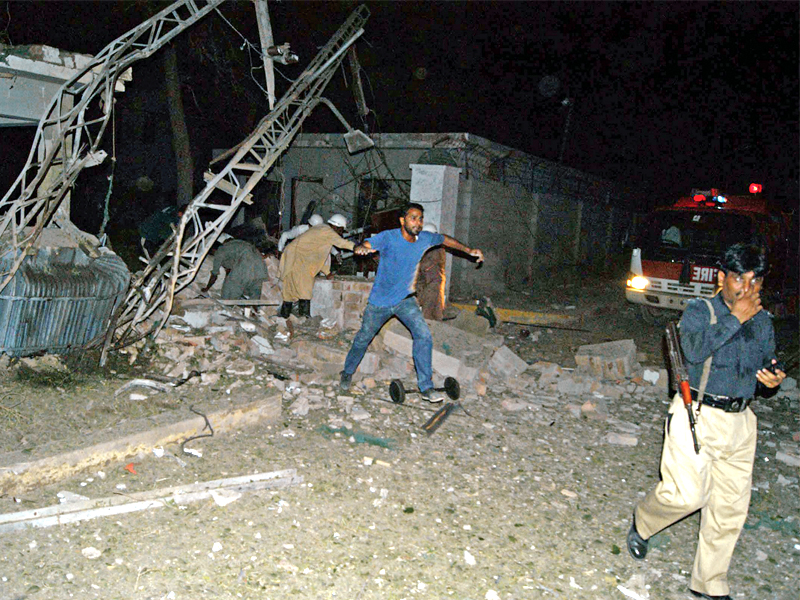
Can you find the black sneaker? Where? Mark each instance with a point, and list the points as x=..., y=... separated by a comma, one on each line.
x=432, y=396
x=344, y=381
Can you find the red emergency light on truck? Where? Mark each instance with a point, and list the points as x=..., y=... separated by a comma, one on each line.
x=677, y=250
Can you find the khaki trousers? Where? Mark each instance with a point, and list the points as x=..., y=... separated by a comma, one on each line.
x=716, y=482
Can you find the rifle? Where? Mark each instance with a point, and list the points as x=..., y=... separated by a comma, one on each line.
x=680, y=376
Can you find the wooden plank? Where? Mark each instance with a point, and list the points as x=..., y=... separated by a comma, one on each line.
x=524, y=317
x=215, y=301
x=85, y=510
x=18, y=477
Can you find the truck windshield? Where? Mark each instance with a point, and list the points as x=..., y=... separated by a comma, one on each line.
x=671, y=235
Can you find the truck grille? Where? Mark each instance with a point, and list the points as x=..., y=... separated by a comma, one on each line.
x=673, y=287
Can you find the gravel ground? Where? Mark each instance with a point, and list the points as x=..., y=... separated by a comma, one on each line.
x=526, y=496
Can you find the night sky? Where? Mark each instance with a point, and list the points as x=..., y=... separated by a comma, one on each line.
x=666, y=96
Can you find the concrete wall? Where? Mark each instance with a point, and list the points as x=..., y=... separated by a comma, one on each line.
x=527, y=214
x=338, y=192
x=501, y=221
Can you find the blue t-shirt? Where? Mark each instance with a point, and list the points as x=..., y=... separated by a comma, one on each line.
x=398, y=264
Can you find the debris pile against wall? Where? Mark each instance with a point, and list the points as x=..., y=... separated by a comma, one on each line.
x=213, y=339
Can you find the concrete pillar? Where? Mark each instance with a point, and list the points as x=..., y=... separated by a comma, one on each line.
x=435, y=187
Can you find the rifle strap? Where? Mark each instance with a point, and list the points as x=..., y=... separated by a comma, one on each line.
x=707, y=364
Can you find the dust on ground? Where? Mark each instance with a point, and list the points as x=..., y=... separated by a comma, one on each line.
x=529, y=495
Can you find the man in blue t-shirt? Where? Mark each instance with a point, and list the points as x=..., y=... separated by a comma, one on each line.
x=393, y=293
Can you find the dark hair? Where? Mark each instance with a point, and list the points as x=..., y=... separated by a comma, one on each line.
x=411, y=205
x=743, y=258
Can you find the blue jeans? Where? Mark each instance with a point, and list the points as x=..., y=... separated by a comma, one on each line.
x=410, y=315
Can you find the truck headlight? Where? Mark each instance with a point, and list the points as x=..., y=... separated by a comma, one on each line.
x=637, y=282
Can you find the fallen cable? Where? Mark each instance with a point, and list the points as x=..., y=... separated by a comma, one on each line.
x=198, y=436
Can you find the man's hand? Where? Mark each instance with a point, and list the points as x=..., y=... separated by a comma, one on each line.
x=770, y=379
x=477, y=254
x=747, y=306
x=363, y=249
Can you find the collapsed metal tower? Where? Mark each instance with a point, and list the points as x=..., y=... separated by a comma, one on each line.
x=68, y=138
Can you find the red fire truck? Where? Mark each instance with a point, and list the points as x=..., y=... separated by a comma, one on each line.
x=678, y=247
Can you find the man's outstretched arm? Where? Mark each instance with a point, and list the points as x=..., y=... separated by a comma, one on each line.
x=364, y=248
x=454, y=244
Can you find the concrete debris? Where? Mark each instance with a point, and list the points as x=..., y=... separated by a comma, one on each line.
x=143, y=383
x=470, y=322
x=301, y=406
x=262, y=345
x=595, y=409
x=43, y=364
x=621, y=439
x=241, y=366
x=651, y=376
x=505, y=364
x=610, y=360
x=793, y=460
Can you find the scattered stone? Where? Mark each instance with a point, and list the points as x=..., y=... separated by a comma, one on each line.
x=789, y=459
x=300, y=407
x=621, y=439
x=594, y=409
x=262, y=344
x=369, y=364
x=610, y=360
x=651, y=376
x=505, y=364
x=468, y=321
x=209, y=378
x=357, y=413
x=513, y=405
x=223, y=497
x=91, y=553
x=65, y=497
x=241, y=366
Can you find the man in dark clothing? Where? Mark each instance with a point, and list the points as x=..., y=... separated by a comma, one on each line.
x=729, y=346
x=245, y=270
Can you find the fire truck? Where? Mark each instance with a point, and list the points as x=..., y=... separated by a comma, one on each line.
x=677, y=249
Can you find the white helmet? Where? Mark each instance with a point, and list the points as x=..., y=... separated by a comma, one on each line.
x=224, y=237
x=338, y=220
x=315, y=220
x=430, y=227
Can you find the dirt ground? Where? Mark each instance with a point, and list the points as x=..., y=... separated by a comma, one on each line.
x=529, y=495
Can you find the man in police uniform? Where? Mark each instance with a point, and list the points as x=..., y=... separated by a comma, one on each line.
x=732, y=332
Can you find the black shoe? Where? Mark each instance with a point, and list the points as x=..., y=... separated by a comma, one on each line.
x=286, y=310
x=344, y=381
x=707, y=597
x=304, y=308
x=637, y=545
